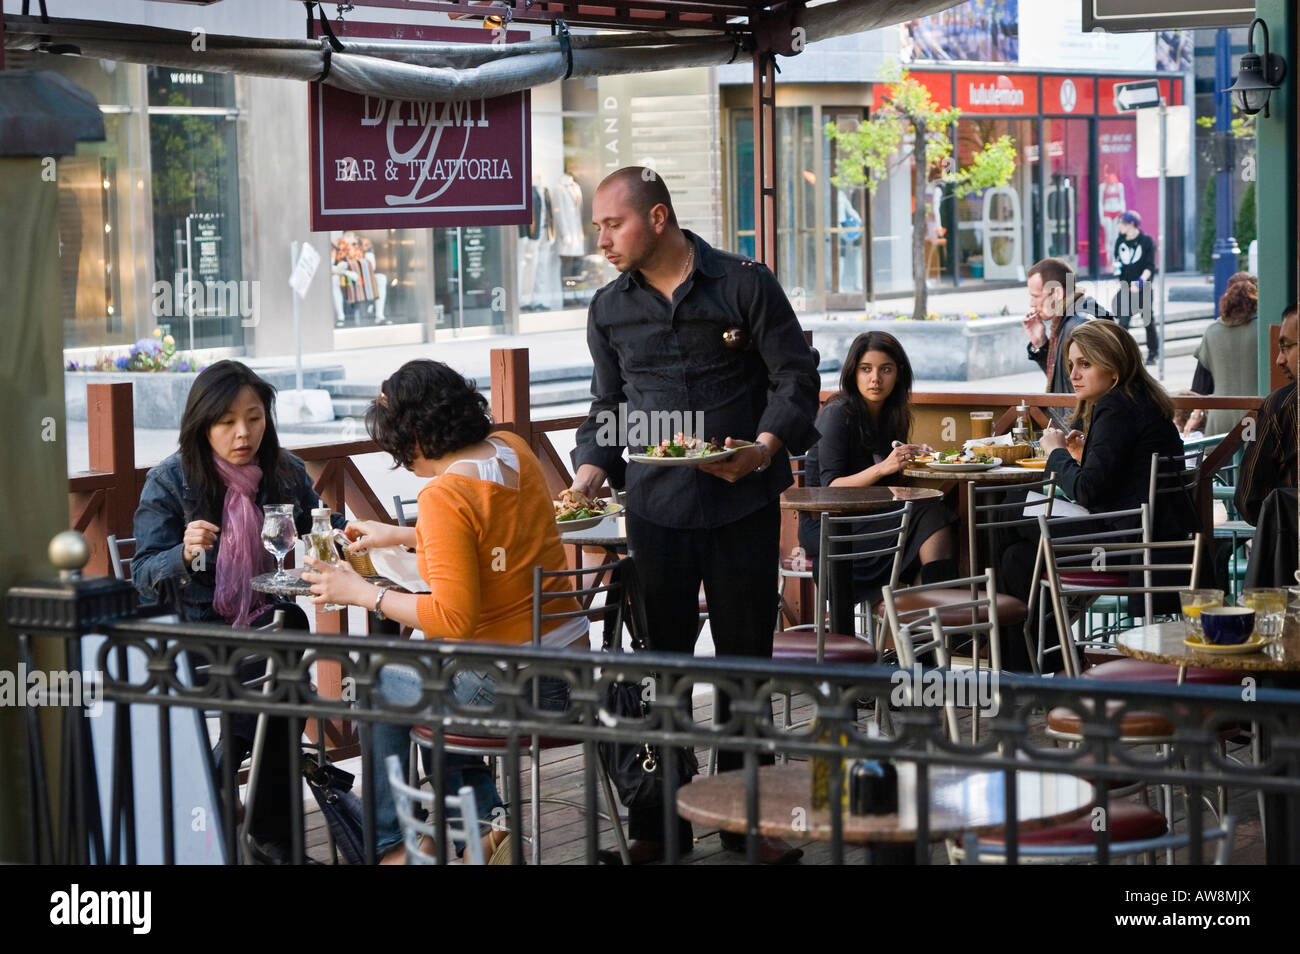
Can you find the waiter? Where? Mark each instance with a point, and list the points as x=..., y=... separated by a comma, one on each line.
x=687, y=333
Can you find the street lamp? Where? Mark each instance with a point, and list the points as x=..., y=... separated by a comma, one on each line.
x=1257, y=76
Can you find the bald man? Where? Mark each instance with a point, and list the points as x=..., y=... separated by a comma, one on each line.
x=706, y=338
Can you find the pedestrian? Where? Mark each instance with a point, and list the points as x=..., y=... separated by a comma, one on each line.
x=1227, y=359
x=1135, y=265
x=687, y=329
x=1056, y=307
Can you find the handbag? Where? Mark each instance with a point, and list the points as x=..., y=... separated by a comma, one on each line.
x=635, y=769
x=342, y=810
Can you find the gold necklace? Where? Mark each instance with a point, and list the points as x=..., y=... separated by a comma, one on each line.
x=690, y=260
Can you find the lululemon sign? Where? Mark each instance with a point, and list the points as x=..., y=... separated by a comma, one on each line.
x=381, y=163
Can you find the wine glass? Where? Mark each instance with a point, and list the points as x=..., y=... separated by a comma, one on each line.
x=278, y=536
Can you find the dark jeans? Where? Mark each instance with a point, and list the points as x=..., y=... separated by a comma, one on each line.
x=737, y=565
x=275, y=788
x=1126, y=304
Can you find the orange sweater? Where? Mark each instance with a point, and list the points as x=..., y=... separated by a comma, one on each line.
x=477, y=544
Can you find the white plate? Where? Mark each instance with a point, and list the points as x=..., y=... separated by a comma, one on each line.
x=684, y=461
x=586, y=523
x=965, y=468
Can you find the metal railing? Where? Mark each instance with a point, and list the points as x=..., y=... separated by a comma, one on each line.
x=144, y=665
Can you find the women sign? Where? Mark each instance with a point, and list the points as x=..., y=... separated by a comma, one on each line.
x=389, y=163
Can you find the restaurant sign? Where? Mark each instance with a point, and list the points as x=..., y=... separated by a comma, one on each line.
x=380, y=163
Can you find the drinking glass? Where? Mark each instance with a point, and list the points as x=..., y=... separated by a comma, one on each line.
x=278, y=536
x=981, y=425
x=1269, y=604
x=1192, y=602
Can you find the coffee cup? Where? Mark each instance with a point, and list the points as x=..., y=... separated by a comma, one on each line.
x=1227, y=625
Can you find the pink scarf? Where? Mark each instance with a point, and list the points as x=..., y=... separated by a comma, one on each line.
x=240, y=556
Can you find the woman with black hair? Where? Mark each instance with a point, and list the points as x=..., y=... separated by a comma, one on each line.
x=484, y=520
x=865, y=432
x=198, y=543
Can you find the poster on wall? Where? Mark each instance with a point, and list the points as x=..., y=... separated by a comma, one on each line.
x=979, y=31
x=387, y=163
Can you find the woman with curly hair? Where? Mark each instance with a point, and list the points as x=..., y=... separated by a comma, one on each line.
x=1227, y=362
x=486, y=497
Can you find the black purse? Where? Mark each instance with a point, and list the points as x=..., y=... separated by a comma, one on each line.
x=635, y=769
x=342, y=810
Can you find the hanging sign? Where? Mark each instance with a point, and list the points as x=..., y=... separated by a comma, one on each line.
x=381, y=163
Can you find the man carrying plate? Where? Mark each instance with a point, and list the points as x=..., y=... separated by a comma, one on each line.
x=689, y=329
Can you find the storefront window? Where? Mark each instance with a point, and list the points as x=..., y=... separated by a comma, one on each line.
x=376, y=276
x=742, y=223
x=1119, y=188
x=201, y=297
x=1066, y=206
x=844, y=236
x=995, y=228
x=469, y=262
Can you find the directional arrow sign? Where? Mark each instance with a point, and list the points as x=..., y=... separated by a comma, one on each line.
x=1131, y=96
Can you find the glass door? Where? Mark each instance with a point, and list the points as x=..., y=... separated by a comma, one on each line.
x=844, y=212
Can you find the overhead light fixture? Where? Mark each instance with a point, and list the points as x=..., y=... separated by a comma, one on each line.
x=1257, y=76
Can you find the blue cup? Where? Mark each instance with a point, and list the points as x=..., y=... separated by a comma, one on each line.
x=1227, y=625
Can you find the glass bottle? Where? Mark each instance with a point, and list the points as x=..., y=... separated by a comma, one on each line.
x=321, y=542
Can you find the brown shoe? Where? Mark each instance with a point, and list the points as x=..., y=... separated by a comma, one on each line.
x=640, y=852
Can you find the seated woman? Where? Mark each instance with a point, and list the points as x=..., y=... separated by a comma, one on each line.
x=869, y=414
x=1104, y=462
x=198, y=543
x=487, y=496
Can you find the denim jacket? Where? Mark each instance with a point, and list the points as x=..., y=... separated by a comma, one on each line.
x=167, y=506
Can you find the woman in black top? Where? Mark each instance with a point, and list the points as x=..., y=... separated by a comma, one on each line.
x=1104, y=462
x=859, y=427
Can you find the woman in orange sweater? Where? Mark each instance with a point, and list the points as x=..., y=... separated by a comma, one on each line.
x=484, y=521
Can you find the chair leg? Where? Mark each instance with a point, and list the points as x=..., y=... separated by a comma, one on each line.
x=536, y=812
x=616, y=819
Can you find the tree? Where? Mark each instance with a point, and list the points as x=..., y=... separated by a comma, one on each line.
x=873, y=149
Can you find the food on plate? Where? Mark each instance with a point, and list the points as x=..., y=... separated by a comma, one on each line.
x=1010, y=453
x=682, y=446
x=575, y=505
x=957, y=456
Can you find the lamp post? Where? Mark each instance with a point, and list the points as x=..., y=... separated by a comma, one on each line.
x=1226, y=253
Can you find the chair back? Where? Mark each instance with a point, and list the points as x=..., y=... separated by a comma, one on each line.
x=610, y=582
x=1094, y=559
x=888, y=531
x=987, y=512
x=974, y=851
x=405, y=798
x=400, y=504
x=120, y=551
x=798, y=469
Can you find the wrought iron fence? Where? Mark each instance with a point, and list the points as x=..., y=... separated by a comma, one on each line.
x=146, y=668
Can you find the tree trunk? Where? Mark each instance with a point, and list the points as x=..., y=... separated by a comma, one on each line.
x=918, y=221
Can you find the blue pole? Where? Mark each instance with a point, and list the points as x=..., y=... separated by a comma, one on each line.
x=1226, y=254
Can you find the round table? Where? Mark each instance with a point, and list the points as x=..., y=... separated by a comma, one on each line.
x=852, y=501
x=610, y=533
x=296, y=586
x=1163, y=643
x=961, y=800
x=963, y=480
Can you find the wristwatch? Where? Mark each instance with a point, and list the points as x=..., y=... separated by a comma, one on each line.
x=767, y=458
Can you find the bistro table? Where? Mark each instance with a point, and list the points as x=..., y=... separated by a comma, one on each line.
x=1163, y=643
x=610, y=534
x=962, y=480
x=845, y=502
x=961, y=800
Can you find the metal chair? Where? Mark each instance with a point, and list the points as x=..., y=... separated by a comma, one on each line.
x=405, y=798
x=120, y=562
x=400, y=504
x=1143, y=831
x=976, y=617
x=493, y=747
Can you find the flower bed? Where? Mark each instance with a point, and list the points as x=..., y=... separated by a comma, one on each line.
x=147, y=355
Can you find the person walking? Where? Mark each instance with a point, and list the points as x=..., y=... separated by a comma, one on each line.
x=1135, y=265
x=688, y=329
x=1227, y=359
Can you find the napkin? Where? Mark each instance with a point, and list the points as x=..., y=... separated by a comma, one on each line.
x=1002, y=440
x=1060, y=507
x=400, y=566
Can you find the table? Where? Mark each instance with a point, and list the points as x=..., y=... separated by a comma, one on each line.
x=610, y=534
x=297, y=586
x=856, y=502
x=963, y=480
x=961, y=800
x=1163, y=643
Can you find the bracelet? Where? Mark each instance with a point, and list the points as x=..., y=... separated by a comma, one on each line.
x=767, y=458
x=383, y=591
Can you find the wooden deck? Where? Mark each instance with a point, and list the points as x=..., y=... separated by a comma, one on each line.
x=563, y=827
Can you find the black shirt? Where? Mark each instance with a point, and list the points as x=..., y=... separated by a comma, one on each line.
x=668, y=359
x=1135, y=256
x=1270, y=459
x=840, y=451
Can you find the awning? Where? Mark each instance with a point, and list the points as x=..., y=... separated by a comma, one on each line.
x=448, y=71
x=43, y=114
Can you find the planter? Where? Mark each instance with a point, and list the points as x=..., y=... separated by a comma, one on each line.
x=967, y=350
x=158, y=398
